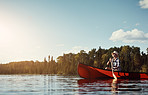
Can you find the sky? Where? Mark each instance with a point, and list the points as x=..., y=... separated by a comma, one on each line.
x=34, y=29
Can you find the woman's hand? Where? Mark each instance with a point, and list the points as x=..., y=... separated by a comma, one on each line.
x=108, y=63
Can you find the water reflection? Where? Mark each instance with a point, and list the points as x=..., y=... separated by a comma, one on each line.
x=110, y=86
x=114, y=86
x=60, y=85
x=68, y=85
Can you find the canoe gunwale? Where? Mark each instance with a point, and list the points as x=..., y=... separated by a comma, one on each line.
x=114, y=71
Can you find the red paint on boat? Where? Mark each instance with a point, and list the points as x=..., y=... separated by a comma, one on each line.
x=89, y=72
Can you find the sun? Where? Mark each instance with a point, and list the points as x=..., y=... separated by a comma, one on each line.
x=6, y=37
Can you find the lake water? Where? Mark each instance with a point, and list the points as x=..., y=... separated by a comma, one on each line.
x=68, y=85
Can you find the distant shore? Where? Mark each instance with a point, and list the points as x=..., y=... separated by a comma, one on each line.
x=131, y=60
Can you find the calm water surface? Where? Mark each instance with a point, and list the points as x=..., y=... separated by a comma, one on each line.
x=68, y=85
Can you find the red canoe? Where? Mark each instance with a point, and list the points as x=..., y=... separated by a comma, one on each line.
x=89, y=72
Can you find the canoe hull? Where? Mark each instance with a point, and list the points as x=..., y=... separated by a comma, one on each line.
x=89, y=72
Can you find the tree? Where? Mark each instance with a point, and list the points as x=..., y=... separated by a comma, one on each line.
x=98, y=57
x=137, y=61
x=82, y=57
x=91, y=56
x=125, y=58
x=49, y=59
x=60, y=60
x=104, y=60
x=52, y=61
x=45, y=61
x=144, y=68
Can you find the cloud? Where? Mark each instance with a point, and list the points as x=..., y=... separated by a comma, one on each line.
x=134, y=35
x=77, y=49
x=143, y=4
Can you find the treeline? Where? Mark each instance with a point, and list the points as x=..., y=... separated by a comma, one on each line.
x=131, y=59
x=29, y=67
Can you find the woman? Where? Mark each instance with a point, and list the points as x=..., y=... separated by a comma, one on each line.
x=115, y=64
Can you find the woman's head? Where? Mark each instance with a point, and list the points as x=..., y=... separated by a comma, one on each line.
x=115, y=54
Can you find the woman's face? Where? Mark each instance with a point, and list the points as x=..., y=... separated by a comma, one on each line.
x=114, y=55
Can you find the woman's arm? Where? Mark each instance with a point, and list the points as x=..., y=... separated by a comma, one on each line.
x=108, y=64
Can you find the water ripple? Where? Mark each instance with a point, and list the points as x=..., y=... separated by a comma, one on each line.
x=68, y=85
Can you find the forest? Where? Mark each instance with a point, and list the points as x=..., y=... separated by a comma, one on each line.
x=131, y=59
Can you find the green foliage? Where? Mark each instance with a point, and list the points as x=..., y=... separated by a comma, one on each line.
x=144, y=68
x=130, y=60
